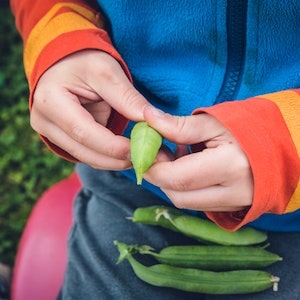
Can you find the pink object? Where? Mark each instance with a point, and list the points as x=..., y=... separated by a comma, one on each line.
x=41, y=258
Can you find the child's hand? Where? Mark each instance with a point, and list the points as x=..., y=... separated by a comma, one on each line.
x=73, y=101
x=217, y=179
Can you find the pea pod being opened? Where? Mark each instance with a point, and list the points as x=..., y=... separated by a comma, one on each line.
x=144, y=146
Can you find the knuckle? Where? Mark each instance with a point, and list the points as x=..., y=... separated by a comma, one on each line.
x=112, y=151
x=180, y=184
x=118, y=147
x=182, y=132
x=79, y=133
x=130, y=96
x=181, y=123
x=106, y=75
x=107, y=69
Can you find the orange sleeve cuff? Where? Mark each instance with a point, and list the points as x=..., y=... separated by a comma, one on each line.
x=289, y=105
x=62, y=18
x=270, y=148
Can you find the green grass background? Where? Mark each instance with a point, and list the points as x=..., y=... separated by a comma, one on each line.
x=27, y=167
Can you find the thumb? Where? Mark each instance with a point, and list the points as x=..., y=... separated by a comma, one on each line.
x=183, y=129
x=122, y=96
x=132, y=103
x=111, y=83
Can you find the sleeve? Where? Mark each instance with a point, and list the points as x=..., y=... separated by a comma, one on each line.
x=53, y=29
x=272, y=145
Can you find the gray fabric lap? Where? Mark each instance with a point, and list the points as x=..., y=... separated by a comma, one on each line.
x=100, y=218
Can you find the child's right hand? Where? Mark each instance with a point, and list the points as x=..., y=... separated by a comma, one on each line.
x=72, y=104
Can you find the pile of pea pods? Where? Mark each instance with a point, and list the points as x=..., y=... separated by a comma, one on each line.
x=221, y=263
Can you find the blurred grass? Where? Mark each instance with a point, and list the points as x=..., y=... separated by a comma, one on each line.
x=27, y=167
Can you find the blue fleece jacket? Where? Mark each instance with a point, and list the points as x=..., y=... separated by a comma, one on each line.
x=189, y=53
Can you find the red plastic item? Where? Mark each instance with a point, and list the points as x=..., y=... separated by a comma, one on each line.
x=41, y=257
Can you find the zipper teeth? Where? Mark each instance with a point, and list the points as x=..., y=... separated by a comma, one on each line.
x=236, y=39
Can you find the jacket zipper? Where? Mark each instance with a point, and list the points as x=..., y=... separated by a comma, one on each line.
x=236, y=16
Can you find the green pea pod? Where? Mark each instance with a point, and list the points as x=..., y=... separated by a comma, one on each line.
x=199, y=281
x=213, y=258
x=144, y=146
x=148, y=215
x=197, y=228
x=201, y=229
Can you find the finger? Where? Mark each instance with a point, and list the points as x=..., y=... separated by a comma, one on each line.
x=99, y=110
x=214, y=198
x=78, y=123
x=184, y=129
x=216, y=166
x=82, y=153
x=111, y=83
